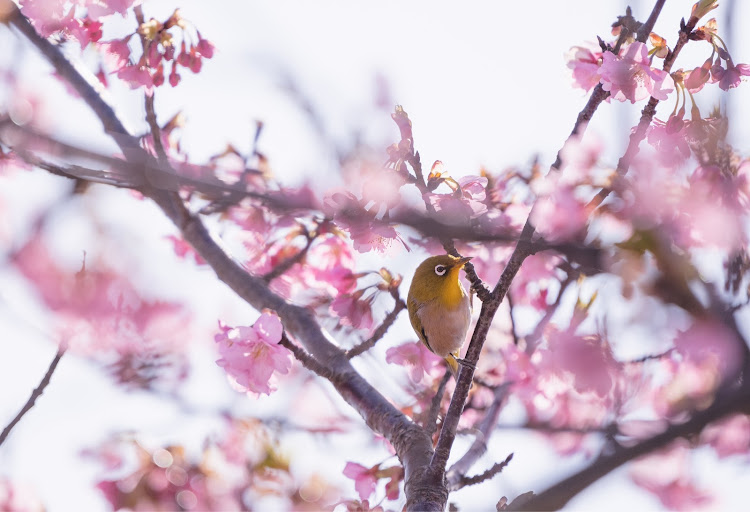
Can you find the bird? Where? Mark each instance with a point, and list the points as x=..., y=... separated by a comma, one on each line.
x=439, y=308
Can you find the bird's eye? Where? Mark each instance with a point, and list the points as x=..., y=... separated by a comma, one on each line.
x=440, y=270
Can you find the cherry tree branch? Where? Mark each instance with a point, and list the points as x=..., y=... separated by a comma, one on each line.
x=125, y=175
x=561, y=493
x=389, y=319
x=430, y=423
x=410, y=441
x=523, y=249
x=647, y=115
x=599, y=94
x=306, y=359
x=34, y=395
x=455, y=474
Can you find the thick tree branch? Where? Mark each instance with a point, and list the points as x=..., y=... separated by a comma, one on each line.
x=561, y=493
x=522, y=250
x=410, y=441
x=34, y=395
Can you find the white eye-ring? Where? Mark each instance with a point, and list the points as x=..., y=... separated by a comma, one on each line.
x=440, y=270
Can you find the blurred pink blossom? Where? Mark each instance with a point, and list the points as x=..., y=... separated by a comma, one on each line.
x=586, y=360
x=18, y=498
x=353, y=310
x=416, y=357
x=184, y=250
x=464, y=204
x=710, y=341
x=731, y=76
x=669, y=141
x=558, y=214
x=252, y=355
x=729, y=436
x=365, y=479
x=666, y=474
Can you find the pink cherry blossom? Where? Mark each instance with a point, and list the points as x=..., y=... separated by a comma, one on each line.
x=466, y=203
x=252, y=355
x=669, y=140
x=48, y=16
x=86, y=31
x=116, y=51
x=100, y=314
x=184, y=250
x=99, y=8
x=666, y=475
x=416, y=357
x=729, y=436
x=353, y=310
x=584, y=63
x=698, y=77
x=367, y=233
x=631, y=77
x=174, y=77
x=136, y=76
x=205, y=47
x=580, y=156
x=332, y=263
x=365, y=479
x=709, y=341
x=16, y=497
x=558, y=213
x=731, y=76
x=586, y=360
x=374, y=236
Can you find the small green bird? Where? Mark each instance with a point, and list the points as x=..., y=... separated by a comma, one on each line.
x=439, y=308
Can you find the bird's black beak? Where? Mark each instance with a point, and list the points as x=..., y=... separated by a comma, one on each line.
x=462, y=261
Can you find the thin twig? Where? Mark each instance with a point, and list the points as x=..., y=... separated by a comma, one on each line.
x=512, y=320
x=481, y=477
x=289, y=262
x=161, y=155
x=389, y=319
x=533, y=338
x=430, y=423
x=34, y=395
x=478, y=448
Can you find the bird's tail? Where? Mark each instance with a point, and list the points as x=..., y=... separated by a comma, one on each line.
x=453, y=363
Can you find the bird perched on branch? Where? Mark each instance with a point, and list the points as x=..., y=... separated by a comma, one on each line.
x=439, y=308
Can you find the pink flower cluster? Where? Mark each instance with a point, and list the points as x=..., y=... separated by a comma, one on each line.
x=159, y=50
x=242, y=467
x=100, y=314
x=252, y=356
x=627, y=76
x=59, y=16
x=366, y=479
